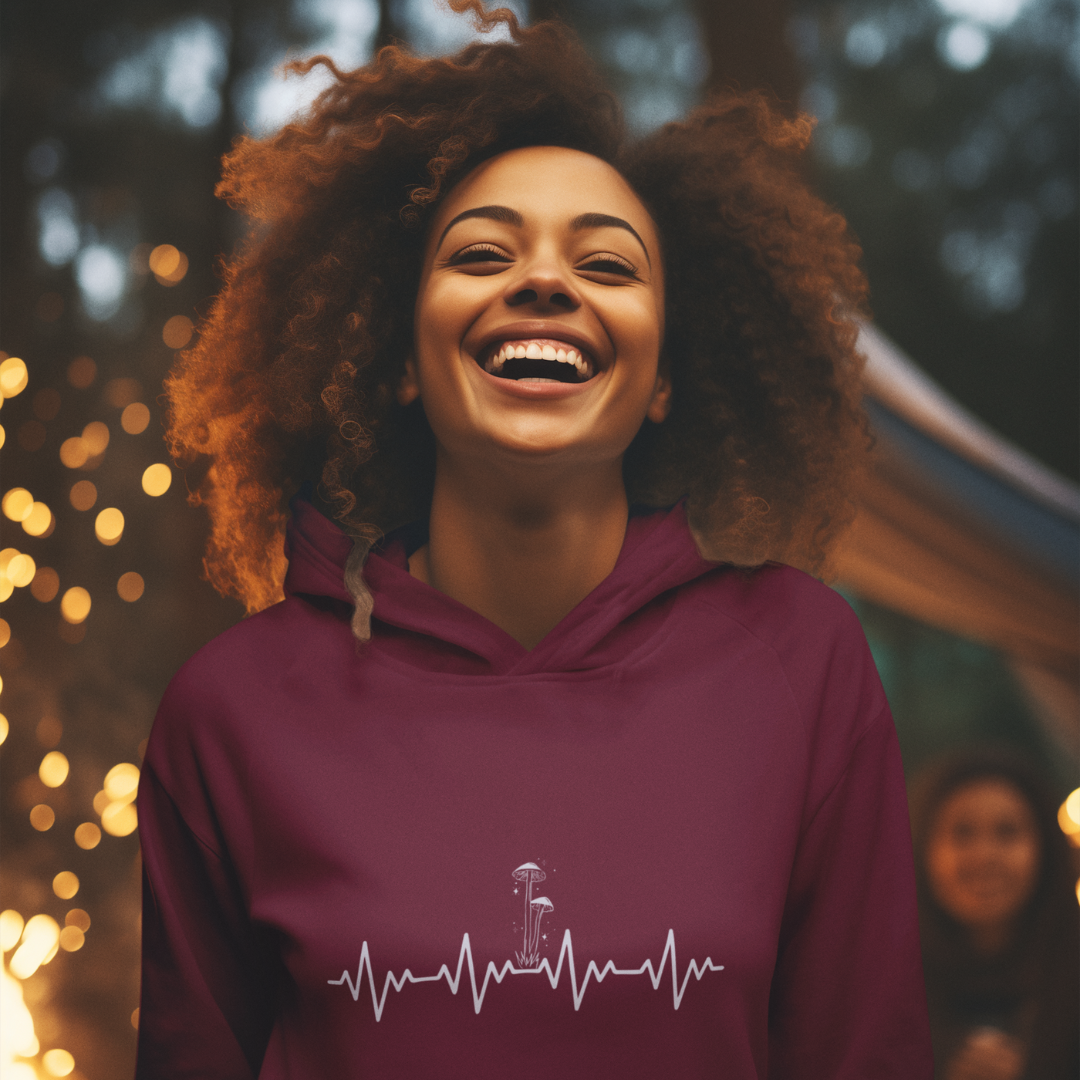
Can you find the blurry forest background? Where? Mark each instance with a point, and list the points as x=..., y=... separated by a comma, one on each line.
x=947, y=133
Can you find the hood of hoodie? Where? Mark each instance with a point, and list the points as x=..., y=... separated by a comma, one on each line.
x=418, y=624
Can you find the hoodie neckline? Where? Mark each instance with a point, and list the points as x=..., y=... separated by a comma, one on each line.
x=658, y=554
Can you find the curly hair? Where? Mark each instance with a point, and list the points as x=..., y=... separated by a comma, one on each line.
x=292, y=378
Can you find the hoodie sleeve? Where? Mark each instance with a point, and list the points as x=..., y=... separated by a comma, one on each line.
x=206, y=1005
x=847, y=1000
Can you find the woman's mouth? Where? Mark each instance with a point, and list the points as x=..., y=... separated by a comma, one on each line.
x=538, y=358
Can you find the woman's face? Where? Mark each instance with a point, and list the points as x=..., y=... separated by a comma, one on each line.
x=982, y=860
x=539, y=317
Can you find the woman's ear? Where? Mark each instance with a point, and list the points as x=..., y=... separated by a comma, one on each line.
x=660, y=404
x=408, y=389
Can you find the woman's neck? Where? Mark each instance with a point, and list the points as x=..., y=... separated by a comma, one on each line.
x=991, y=938
x=522, y=555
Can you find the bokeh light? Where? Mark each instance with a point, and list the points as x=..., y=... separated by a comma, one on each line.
x=42, y=817
x=168, y=264
x=177, y=331
x=54, y=769
x=72, y=939
x=115, y=802
x=87, y=835
x=96, y=437
x=20, y=570
x=39, y=943
x=109, y=526
x=135, y=418
x=119, y=819
x=74, y=452
x=13, y=377
x=1069, y=817
x=39, y=521
x=122, y=781
x=130, y=586
x=65, y=885
x=58, y=1062
x=156, y=479
x=46, y=584
x=5, y=632
x=11, y=928
x=78, y=917
x=17, y=504
x=83, y=495
x=75, y=605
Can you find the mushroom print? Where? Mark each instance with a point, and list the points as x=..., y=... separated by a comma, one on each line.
x=540, y=907
x=528, y=873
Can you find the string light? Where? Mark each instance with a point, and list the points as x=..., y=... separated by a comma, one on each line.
x=1069, y=817
x=83, y=495
x=74, y=453
x=72, y=939
x=65, y=885
x=77, y=917
x=39, y=522
x=13, y=377
x=20, y=570
x=54, y=769
x=11, y=928
x=96, y=436
x=17, y=504
x=118, y=814
x=87, y=836
x=58, y=1062
x=135, y=418
x=75, y=604
x=156, y=479
x=177, y=331
x=130, y=586
x=168, y=264
x=109, y=526
x=39, y=943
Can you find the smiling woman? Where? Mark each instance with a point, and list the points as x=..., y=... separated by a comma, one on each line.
x=999, y=920
x=538, y=413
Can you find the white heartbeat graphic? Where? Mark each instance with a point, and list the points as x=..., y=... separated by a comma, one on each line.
x=566, y=954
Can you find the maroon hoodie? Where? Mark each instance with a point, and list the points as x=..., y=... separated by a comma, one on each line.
x=669, y=841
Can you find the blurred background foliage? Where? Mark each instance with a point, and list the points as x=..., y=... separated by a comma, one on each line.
x=947, y=133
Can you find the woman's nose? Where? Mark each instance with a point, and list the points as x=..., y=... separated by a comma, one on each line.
x=543, y=284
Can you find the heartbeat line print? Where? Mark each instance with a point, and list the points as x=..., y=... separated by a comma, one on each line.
x=566, y=954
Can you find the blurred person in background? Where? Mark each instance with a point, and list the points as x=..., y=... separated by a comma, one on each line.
x=998, y=920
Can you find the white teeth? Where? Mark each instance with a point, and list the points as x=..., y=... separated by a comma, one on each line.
x=535, y=351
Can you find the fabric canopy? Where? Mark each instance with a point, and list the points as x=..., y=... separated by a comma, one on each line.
x=961, y=530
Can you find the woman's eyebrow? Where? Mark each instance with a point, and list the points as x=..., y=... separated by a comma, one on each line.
x=601, y=221
x=495, y=213
x=510, y=216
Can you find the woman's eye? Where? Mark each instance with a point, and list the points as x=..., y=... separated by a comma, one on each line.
x=609, y=264
x=481, y=253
